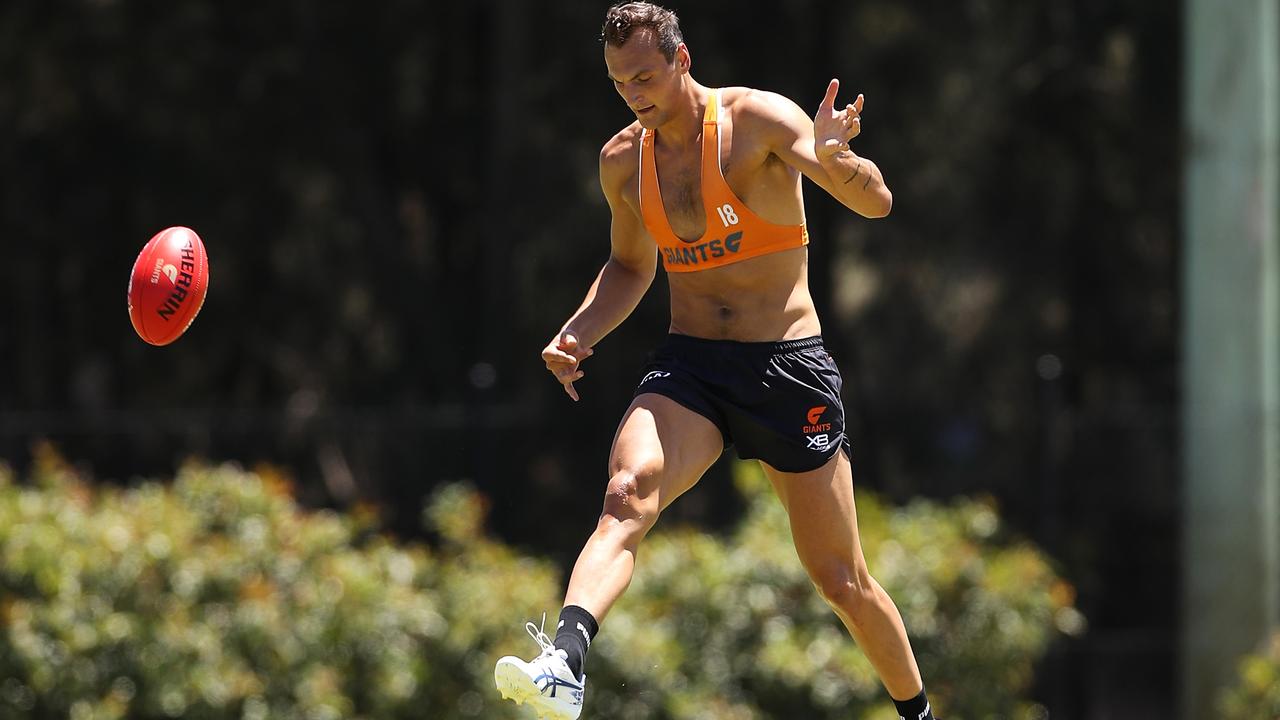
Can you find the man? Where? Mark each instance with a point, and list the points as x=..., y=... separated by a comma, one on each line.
x=709, y=181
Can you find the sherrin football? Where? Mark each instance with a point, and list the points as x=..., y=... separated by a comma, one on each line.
x=168, y=285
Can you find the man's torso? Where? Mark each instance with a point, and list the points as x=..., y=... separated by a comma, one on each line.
x=758, y=299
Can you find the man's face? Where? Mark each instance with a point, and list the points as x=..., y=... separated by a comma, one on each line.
x=644, y=78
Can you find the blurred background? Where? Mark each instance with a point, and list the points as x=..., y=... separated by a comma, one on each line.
x=400, y=207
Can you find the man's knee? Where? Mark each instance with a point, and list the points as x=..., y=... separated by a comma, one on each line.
x=850, y=590
x=631, y=495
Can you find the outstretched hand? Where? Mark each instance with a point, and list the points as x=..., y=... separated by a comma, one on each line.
x=833, y=128
x=562, y=356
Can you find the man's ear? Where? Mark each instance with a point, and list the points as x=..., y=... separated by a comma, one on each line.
x=683, y=60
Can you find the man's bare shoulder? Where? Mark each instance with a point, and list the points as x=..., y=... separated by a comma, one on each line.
x=620, y=151
x=764, y=106
x=769, y=118
x=619, y=157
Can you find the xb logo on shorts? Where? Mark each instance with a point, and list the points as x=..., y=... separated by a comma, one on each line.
x=817, y=432
x=654, y=375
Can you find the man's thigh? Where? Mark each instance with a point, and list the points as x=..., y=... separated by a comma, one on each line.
x=824, y=518
x=665, y=445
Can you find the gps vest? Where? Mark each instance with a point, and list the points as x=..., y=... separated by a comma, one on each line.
x=733, y=233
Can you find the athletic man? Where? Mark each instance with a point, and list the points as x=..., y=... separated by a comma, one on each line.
x=708, y=180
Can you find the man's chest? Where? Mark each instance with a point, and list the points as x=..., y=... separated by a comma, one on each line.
x=688, y=176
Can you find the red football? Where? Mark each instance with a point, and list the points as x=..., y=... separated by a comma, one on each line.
x=168, y=285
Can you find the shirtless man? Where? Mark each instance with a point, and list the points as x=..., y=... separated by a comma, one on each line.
x=708, y=180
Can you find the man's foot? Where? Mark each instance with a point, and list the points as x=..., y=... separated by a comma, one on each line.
x=545, y=682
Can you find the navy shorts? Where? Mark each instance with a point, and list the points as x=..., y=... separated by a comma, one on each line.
x=774, y=401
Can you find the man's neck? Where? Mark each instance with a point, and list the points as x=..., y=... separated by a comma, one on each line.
x=685, y=126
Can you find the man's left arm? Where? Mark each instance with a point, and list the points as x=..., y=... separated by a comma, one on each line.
x=820, y=149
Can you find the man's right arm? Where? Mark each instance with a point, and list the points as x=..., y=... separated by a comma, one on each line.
x=623, y=280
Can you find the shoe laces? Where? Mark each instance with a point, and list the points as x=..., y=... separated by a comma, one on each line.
x=544, y=642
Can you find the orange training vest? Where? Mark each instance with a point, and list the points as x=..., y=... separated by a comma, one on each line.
x=733, y=233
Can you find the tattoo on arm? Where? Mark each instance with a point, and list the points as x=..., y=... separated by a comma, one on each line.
x=856, y=171
x=867, y=182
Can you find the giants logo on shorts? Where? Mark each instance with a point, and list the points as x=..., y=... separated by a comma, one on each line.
x=817, y=432
x=813, y=416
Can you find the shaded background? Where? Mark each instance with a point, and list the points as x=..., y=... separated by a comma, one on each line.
x=400, y=207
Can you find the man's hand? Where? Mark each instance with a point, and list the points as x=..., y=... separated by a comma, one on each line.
x=562, y=356
x=833, y=129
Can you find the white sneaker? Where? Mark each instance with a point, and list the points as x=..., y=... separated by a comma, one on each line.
x=546, y=682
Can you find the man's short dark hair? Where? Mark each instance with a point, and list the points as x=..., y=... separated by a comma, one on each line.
x=624, y=19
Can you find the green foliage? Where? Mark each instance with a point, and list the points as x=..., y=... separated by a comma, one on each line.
x=217, y=597
x=1256, y=695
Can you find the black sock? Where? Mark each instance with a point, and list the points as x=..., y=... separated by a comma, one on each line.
x=917, y=708
x=574, y=635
